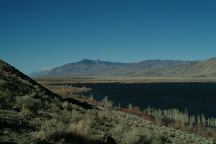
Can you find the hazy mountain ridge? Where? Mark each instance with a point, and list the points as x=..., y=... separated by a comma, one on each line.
x=147, y=68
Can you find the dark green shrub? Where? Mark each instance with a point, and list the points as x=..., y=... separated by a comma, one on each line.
x=29, y=103
x=7, y=100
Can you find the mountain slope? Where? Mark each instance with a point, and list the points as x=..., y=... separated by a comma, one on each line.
x=18, y=84
x=202, y=69
x=148, y=68
x=25, y=106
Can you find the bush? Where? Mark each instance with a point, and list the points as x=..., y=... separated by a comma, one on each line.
x=66, y=106
x=29, y=103
x=116, y=132
x=49, y=129
x=91, y=100
x=58, y=129
x=81, y=128
x=107, y=103
x=7, y=100
x=130, y=107
x=132, y=136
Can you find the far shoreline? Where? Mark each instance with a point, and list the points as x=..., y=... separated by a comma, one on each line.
x=125, y=80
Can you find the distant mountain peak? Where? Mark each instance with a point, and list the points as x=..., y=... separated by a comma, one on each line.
x=86, y=61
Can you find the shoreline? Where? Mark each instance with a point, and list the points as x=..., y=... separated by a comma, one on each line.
x=126, y=80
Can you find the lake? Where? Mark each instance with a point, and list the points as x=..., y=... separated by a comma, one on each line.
x=196, y=98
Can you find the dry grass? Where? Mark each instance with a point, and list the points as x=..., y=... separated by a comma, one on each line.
x=132, y=136
x=64, y=126
x=67, y=91
x=176, y=119
x=81, y=128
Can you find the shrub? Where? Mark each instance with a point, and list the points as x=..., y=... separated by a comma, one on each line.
x=132, y=136
x=49, y=130
x=6, y=99
x=91, y=100
x=116, y=132
x=103, y=115
x=76, y=116
x=81, y=128
x=130, y=107
x=66, y=106
x=107, y=103
x=29, y=103
x=39, y=135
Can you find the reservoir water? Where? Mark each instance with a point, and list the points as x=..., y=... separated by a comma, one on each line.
x=196, y=98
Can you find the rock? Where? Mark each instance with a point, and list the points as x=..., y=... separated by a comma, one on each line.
x=110, y=140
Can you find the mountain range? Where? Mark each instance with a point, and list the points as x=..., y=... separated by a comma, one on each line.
x=148, y=68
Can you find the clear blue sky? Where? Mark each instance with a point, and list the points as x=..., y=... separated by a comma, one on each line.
x=39, y=34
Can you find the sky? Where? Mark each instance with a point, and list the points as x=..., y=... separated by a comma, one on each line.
x=42, y=34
